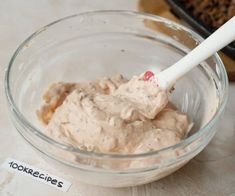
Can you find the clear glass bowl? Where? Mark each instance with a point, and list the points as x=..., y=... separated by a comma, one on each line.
x=103, y=43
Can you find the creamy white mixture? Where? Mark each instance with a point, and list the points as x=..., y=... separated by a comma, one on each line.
x=112, y=115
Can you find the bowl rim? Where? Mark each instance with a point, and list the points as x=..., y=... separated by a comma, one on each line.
x=13, y=107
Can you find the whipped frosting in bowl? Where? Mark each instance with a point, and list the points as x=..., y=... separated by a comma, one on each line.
x=89, y=47
x=113, y=115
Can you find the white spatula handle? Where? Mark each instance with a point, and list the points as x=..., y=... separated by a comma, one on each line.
x=219, y=39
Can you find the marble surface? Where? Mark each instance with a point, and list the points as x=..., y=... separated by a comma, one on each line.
x=212, y=172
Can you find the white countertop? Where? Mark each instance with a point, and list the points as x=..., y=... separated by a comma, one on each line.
x=212, y=172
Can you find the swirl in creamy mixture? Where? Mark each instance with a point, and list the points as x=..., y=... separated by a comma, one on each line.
x=112, y=115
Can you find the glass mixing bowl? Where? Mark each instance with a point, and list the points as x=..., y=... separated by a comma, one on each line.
x=103, y=43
